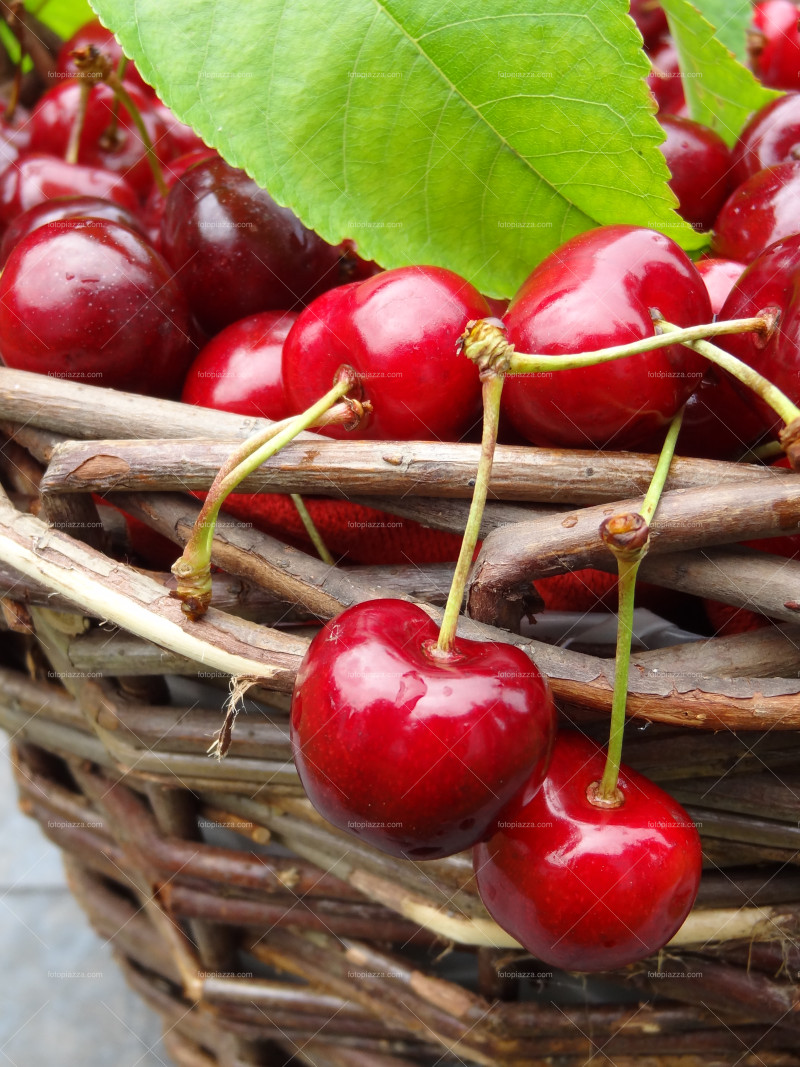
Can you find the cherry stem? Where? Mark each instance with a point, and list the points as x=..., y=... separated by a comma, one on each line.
x=769, y=450
x=193, y=569
x=124, y=98
x=628, y=557
x=110, y=135
x=492, y=390
x=311, y=530
x=769, y=393
x=16, y=89
x=73, y=147
x=531, y=363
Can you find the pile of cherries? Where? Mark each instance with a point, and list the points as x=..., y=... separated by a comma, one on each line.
x=195, y=283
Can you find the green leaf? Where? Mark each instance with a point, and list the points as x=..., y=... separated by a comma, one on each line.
x=64, y=17
x=477, y=138
x=731, y=23
x=720, y=92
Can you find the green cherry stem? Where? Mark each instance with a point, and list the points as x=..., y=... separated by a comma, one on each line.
x=73, y=147
x=110, y=136
x=480, y=342
x=531, y=363
x=124, y=97
x=193, y=569
x=93, y=63
x=311, y=530
x=769, y=393
x=628, y=537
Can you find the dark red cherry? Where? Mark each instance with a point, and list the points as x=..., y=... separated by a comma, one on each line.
x=60, y=208
x=761, y=211
x=413, y=754
x=55, y=115
x=236, y=251
x=240, y=369
x=589, y=888
x=35, y=178
x=771, y=136
x=104, y=41
x=650, y=18
x=399, y=331
x=700, y=163
x=771, y=282
x=665, y=80
x=597, y=290
x=775, y=44
x=90, y=300
x=153, y=210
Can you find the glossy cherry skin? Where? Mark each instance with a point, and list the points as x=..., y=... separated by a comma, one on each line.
x=415, y=755
x=650, y=20
x=772, y=281
x=182, y=138
x=775, y=49
x=60, y=208
x=154, y=205
x=90, y=300
x=761, y=211
x=238, y=252
x=35, y=178
x=664, y=80
x=587, y=888
x=771, y=136
x=92, y=33
x=240, y=369
x=399, y=331
x=700, y=163
x=593, y=292
x=720, y=276
x=54, y=117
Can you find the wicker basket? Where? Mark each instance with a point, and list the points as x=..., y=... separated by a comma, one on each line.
x=260, y=933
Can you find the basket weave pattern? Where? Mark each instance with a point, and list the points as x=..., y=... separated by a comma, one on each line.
x=255, y=929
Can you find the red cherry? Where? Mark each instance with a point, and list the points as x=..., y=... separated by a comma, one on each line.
x=35, y=178
x=182, y=138
x=775, y=45
x=588, y=888
x=665, y=79
x=399, y=331
x=60, y=208
x=771, y=136
x=154, y=205
x=413, y=754
x=86, y=299
x=720, y=276
x=651, y=21
x=236, y=251
x=700, y=163
x=595, y=291
x=772, y=281
x=56, y=113
x=761, y=211
x=240, y=369
x=104, y=41
x=718, y=422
